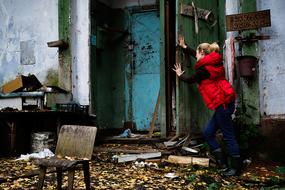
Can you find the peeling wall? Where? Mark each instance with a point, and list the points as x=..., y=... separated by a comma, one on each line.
x=271, y=66
x=271, y=78
x=80, y=28
x=25, y=29
x=127, y=3
x=272, y=57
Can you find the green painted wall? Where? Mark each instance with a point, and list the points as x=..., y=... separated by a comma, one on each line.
x=192, y=114
x=64, y=72
x=120, y=59
x=249, y=88
x=107, y=65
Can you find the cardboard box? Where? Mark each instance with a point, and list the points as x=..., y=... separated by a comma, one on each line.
x=29, y=83
x=13, y=85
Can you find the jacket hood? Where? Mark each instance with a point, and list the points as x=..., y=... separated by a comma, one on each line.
x=210, y=59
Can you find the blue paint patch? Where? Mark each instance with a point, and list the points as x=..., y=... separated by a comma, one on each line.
x=146, y=35
x=146, y=67
x=145, y=92
x=93, y=40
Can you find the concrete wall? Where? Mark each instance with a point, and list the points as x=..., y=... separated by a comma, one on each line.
x=272, y=57
x=271, y=78
x=25, y=29
x=271, y=67
x=80, y=31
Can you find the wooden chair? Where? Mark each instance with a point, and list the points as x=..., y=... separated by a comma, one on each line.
x=73, y=151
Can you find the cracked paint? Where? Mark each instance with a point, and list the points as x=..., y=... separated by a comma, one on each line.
x=25, y=22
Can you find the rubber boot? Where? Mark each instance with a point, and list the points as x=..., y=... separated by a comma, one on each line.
x=235, y=168
x=220, y=159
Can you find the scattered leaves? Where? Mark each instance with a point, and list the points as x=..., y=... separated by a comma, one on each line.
x=106, y=174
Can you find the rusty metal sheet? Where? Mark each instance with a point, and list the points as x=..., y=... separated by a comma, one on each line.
x=246, y=21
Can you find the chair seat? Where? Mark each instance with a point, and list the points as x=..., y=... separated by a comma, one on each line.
x=74, y=141
x=58, y=162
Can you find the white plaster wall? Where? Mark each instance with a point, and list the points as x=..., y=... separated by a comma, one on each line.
x=232, y=7
x=27, y=20
x=127, y=3
x=272, y=60
x=80, y=31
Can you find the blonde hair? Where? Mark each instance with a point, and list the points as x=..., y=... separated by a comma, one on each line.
x=208, y=48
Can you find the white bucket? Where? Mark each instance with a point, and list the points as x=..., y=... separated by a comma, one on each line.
x=42, y=140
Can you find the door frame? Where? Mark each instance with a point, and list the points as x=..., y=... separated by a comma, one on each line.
x=168, y=21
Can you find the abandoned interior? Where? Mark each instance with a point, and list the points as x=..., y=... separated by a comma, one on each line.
x=108, y=64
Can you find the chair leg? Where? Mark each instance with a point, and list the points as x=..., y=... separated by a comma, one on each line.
x=71, y=173
x=59, y=177
x=86, y=175
x=41, y=177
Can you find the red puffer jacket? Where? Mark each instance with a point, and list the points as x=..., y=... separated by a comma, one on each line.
x=215, y=90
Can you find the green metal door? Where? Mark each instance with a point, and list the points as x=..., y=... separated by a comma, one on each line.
x=191, y=113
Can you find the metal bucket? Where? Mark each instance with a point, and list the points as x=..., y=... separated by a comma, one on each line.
x=42, y=140
x=247, y=65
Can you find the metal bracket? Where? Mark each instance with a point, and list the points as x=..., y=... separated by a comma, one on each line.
x=251, y=38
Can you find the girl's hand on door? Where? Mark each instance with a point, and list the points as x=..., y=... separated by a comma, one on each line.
x=177, y=69
x=181, y=41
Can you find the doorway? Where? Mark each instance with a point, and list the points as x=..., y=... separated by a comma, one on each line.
x=125, y=65
x=145, y=81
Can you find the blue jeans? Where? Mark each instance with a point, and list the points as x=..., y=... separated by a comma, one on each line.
x=222, y=120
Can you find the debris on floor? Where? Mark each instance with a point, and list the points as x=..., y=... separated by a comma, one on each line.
x=189, y=160
x=144, y=173
x=134, y=157
x=42, y=154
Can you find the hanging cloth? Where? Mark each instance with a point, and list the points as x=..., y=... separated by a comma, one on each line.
x=229, y=59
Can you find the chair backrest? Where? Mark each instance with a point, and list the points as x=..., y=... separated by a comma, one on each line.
x=76, y=141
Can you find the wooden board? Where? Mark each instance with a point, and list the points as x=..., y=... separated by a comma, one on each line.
x=188, y=160
x=246, y=21
x=76, y=141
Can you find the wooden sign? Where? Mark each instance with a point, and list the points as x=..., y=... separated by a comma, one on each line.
x=247, y=21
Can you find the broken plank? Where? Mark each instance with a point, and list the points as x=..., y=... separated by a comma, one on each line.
x=154, y=116
x=169, y=143
x=58, y=43
x=133, y=157
x=175, y=137
x=188, y=160
x=121, y=150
